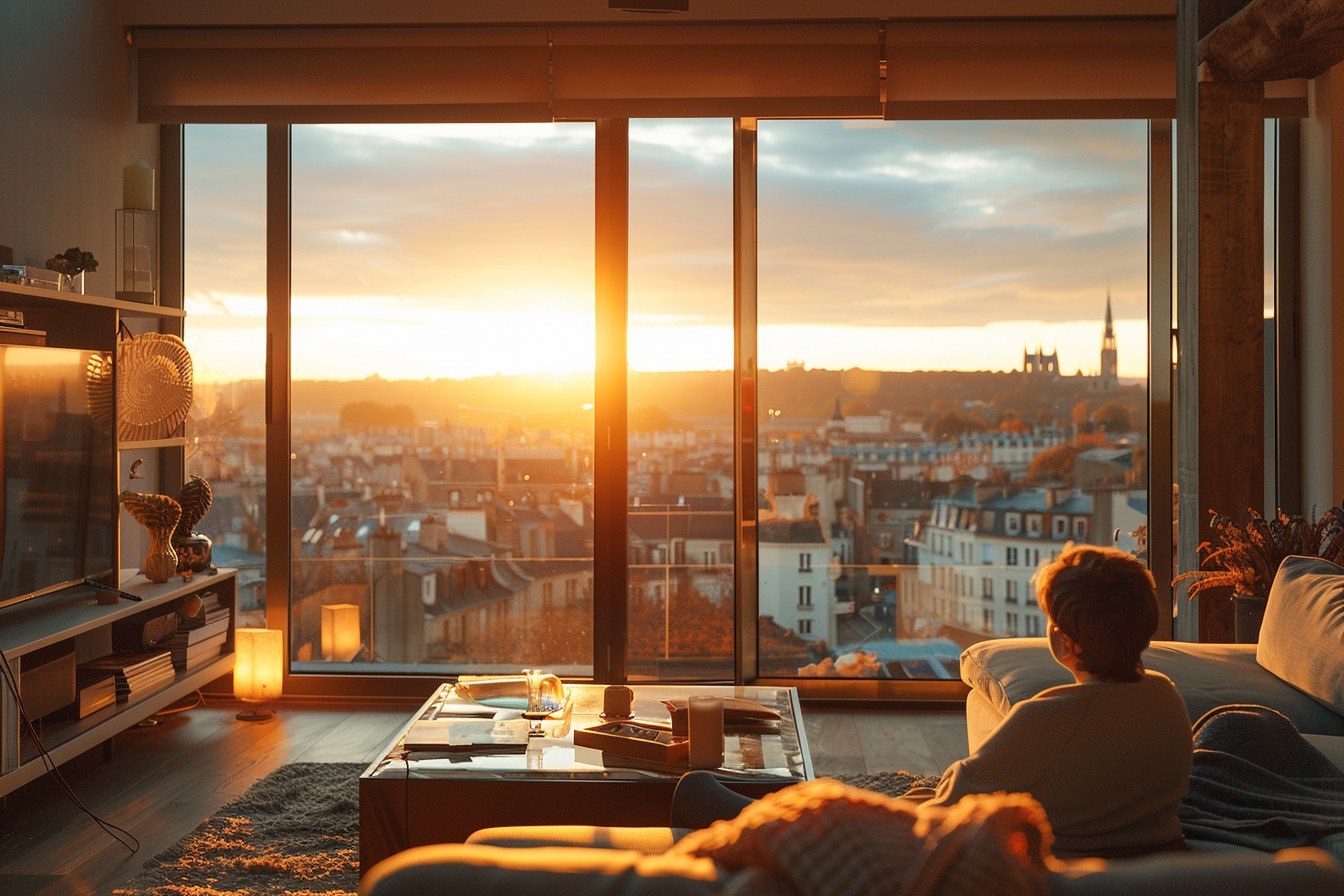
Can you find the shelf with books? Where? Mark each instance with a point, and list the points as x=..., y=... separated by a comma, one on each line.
x=66, y=739
x=189, y=625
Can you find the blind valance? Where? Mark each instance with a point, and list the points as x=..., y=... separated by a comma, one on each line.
x=908, y=69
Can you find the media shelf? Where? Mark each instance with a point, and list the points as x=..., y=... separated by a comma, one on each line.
x=13, y=294
x=74, y=615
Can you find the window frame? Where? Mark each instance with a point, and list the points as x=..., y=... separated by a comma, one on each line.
x=610, y=591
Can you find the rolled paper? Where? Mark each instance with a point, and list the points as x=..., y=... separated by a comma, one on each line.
x=137, y=186
x=704, y=730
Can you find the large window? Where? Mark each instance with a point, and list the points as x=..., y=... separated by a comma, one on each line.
x=441, y=397
x=953, y=343
x=951, y=331
x=224, y=276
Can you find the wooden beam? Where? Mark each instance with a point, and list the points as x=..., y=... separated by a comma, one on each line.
x=1270, y=40
x=1288, y=319
x=1231, y=315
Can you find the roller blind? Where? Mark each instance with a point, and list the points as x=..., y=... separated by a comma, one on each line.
x=933, y=69
x=277, y=76
x=1111, y=69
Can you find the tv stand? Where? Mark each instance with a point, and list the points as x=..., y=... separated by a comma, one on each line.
x=74, y=615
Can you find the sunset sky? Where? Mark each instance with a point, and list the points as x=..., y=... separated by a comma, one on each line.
x=465, y=250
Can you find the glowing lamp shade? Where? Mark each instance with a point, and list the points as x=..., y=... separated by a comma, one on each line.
x=258, y=669
x=340, y=632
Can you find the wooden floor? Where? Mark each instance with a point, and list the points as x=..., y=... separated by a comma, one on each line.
x=163, y=781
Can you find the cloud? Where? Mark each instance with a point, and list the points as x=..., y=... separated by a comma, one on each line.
x=950, y=223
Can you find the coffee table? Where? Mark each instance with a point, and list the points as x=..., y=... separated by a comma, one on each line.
x=417, y=798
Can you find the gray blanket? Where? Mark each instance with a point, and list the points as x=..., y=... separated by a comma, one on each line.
x=1256, y=782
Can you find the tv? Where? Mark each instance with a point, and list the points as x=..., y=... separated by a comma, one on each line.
x=58, y=472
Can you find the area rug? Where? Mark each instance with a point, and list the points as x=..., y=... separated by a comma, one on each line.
x=293, y=833
x=296, y=833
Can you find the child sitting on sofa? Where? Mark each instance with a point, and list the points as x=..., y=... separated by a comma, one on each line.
x=1107, y=757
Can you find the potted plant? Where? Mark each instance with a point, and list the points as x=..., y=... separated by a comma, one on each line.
x=1246, y=558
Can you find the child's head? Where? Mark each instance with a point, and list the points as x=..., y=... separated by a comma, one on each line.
x=1103, y=599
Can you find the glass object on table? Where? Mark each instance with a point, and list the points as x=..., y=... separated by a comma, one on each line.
x=545, y=699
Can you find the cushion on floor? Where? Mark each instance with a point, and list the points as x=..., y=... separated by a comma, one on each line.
x=1007, y=671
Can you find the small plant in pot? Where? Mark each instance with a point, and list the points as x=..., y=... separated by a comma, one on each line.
x=1246, y=557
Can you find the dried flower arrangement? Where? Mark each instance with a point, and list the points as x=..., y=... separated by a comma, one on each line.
x=73, y=262
x=1246, y=557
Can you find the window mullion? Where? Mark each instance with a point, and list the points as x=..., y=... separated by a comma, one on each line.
x=279, y=147
x=1159, y=367
x=612, y=224
x=746, y=668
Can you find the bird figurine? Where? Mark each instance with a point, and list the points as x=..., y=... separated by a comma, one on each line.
x=193, y=548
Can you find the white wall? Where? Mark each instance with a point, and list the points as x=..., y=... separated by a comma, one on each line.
x=68, y=128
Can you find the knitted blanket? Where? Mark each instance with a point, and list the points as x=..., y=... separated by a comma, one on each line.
x=823, y=838
x=1256, y=782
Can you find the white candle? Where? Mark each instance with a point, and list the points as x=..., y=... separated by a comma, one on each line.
x=704, y=730
x=137, y=186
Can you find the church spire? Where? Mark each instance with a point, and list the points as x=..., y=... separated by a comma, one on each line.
x=1110, y=328
x=1109, y=371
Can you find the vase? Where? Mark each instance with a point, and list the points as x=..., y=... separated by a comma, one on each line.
x=160, y=563
x=1247, y=614
x=159, y=515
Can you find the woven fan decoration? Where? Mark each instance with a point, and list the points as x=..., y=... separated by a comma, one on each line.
x=153, y=386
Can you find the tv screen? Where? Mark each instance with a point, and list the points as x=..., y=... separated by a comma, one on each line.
x=59, y=475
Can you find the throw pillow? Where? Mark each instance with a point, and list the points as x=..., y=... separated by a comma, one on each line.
x=1302, y=636
x=824, y=838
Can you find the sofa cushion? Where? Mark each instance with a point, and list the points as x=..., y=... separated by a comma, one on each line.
x=1302, y=636
x=1007, y=671
x=1331, y=747
x=1303, y=871
x=648, y=840
x=545, y=871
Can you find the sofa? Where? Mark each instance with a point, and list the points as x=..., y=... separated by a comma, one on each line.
x=1297, y=668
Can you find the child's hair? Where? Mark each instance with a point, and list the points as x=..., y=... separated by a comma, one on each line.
x=1104, y=600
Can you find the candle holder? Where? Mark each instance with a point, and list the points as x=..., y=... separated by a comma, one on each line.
x=137, y=251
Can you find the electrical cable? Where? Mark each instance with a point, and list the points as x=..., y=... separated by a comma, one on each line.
x=54, y=771
x=200, y=701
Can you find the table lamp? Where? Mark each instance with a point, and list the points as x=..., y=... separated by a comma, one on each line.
x=340, y=632
x=258, y=670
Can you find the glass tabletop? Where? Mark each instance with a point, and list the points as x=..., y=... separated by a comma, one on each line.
x=750, y=754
